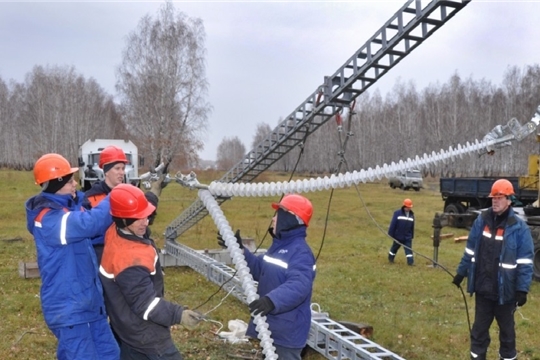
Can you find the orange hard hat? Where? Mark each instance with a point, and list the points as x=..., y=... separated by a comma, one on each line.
x=112, y=154
x=129, y=202
x=407, y=203
x=296, y=204
x=501, y=187
x=52, y=166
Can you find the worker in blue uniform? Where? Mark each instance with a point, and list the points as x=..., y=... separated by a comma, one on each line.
x=498, y=264
x=401, y=229
x=285, y=274
x=71, y=294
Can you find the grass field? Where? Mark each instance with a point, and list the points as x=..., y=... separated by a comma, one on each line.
x=416, y=312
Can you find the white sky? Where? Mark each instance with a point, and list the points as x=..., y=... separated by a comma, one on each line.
x=265, y=58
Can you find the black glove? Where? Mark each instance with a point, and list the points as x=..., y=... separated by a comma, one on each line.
x=458, y=279
x=261, y=306
x=221, y=242
x=521, y=298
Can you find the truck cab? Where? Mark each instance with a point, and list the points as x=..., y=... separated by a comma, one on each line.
x=89, y=170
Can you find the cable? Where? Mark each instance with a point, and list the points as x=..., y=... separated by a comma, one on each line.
x=343, y=160
x=221, y=302
x=407, y=247
x=341, y=153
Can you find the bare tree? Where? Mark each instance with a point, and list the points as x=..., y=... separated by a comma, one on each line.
x=163, y=87
x=55, y=110
x=262, y=131
x=229, y=152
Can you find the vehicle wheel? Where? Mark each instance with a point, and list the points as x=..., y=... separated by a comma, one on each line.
x=451, y=209
x=392, y=186
x=416, y=189
x=535, y=232
x=461, y=208
x=401, y=187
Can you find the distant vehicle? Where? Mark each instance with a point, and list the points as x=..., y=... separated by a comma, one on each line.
x=410, y=179
x=89, y=170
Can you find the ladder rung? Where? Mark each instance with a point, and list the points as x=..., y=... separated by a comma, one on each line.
x=433, y=22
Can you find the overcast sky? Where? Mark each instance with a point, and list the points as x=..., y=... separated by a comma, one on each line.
x=265, y=58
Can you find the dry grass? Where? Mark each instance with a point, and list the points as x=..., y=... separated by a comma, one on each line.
x=415, y=311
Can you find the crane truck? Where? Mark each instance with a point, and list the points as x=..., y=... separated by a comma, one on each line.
x=89, y=170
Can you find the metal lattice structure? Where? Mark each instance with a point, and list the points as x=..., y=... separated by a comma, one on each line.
x=328, y=337
x=411, y=25
x=396, y=39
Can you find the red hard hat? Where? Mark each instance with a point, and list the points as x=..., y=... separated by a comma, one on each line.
x=51, y=166
x=501, y=187
x=129, y=202
x=407, y=203
x=298, y=205
x=112, y=154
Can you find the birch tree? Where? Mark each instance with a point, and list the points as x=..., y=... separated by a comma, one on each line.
x=162, y=85
x=229, y=152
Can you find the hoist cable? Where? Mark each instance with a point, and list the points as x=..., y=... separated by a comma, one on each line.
x=343, y=160
x=435, y=263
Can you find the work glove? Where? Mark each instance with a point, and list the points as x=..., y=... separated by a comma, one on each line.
x=457, y=280
x=190, y=318
x=221, y=242
x=261, y=306
x=521, y=298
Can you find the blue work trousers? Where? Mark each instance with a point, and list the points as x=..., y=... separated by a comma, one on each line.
x=284, y=353
x=86, y=341
x=407, y=248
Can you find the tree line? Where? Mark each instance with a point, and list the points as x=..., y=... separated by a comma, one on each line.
x=408, y=122
x=161, y=105
x=161, y=90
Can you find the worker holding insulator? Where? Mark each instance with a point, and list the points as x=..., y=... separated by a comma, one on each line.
x=285, y=275
x=498, y=264
x=71, y=295
x=112, y=161
x=133, y=285
x=401, y=229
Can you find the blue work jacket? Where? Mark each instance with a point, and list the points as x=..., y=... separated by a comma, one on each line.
x=515, y=260
x=71, y=291
x=286, y=274
x=402, y=226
